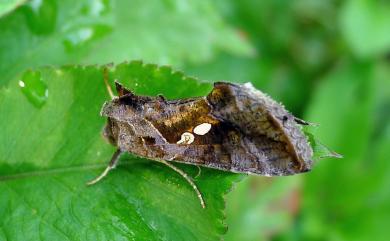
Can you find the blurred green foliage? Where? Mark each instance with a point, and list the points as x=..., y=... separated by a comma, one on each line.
x=327, y=61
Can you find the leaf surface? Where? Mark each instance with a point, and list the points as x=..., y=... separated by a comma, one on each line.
x=7, y=6
x=43, y=32
x=364, y=25
x=54, y=146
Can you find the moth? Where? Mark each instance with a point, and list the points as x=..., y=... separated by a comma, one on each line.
x=235, y=128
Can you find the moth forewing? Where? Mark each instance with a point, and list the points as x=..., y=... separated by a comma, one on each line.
x=234, y=128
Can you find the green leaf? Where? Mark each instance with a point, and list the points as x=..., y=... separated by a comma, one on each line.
x=365, y=26
x=262, y=206
x=51, y=148
x=7, y=6
x=67, y=32
x=344, y=198
x=319, y=149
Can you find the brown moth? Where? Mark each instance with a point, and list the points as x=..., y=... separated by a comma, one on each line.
x=234, y=128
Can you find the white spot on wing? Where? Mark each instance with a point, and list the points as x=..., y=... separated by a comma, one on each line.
x=202, y=129
x=186, y=138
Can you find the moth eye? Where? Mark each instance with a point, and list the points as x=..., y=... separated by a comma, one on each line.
x=285, y=118
x=186, y=138
x=202, y=129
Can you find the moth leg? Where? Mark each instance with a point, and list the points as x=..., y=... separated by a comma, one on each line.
x=188, y=179
x=111, y=165
x=105, y=77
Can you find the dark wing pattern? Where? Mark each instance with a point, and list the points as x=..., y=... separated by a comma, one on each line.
x=248, y=132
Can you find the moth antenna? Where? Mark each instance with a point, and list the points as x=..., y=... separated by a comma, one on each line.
x=111, y=165
x=188, y=179
x=105, y=77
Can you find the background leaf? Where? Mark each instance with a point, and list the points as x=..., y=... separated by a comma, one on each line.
x=7, y=6
x=371, y=18
x=351, y=118
x=54, y=148
x=60, y=32
x=261, y=207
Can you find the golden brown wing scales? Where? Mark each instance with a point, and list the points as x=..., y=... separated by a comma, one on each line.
x=235, y=128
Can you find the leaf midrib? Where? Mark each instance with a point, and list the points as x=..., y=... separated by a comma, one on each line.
x=53, y=171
